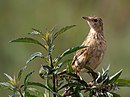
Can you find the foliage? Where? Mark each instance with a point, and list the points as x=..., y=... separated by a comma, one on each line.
x=57, y=83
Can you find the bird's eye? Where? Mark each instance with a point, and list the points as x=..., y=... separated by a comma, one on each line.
x=95, y=20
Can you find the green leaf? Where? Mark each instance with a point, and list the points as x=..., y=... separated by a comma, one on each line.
x=123, y=82
x=6, y=85
x=45, y=71
x=9, y=77
x=36, y=91
x=35, y=32
x=42, y=72
x=48, y=69
x=27, y=94
x=26, y=80
x=80, y=94
x=59, y=66
x=69, y=51
x=11, y=80
x=38, y=84
x=103, y=77
x=113, y=78
x=47, y=37
x=105, y=72
x=63, y=30
x=69, y=68
x=28, y=40
x=21, y=72
x=14, y=95
x=35, y=55
x=43, y=86
x=115, y=95
x=27, y=76
x=106, y=80
x=99, y=78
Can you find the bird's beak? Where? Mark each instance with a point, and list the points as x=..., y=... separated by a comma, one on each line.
x=86, y=18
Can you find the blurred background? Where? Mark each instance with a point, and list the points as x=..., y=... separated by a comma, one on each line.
x=18, y=17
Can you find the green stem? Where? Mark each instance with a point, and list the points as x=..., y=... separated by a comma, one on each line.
x=53, y=78
x=21, y=95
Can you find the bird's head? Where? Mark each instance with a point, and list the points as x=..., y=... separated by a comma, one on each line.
x=94, y=22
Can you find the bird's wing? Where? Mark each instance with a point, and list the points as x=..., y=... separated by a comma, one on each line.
x=87, y=51
x=78, y=53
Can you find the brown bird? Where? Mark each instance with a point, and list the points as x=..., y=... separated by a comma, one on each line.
x=93, y=55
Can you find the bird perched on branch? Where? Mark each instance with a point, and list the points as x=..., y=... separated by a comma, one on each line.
x=93, y=55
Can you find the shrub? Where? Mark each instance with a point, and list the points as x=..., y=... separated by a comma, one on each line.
x=60, y=83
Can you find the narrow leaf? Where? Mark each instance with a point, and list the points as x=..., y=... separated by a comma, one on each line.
x=43, y=86
x=28, y=40
x=80, y=94
x=48, y=69
x=6, y=85
x=115, y=76
x=9, y=77
x=105, y=77
x=69, y=68
x=35, y=55
x=26, y=79
x=69, y=51
x=99, y=78
x=59, y=66
x=123, y=82
x=38, y=84
x=29, y=95
x=21, y=72
x=38, y=92
x=46, y=37
x=115, y=95
x=35, y=32
x=105, y=71
x=27, y=76
x=63, y=30
x=42, y=72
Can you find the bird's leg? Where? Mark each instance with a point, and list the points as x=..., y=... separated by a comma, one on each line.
x=91, y=72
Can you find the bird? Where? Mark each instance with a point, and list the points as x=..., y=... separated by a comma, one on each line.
x=95, y=41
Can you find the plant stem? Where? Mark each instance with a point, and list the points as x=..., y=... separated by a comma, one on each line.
x=53, y=79
x=21, y=95
x=54, y=85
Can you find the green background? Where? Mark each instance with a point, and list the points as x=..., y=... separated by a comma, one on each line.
x=17, y=17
